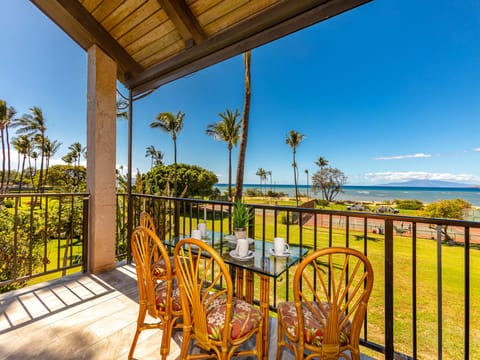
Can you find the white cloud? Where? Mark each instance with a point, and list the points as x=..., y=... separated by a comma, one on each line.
x=395, y=176
x=477, y=149
x=397, y=157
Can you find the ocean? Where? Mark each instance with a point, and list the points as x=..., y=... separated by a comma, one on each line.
x=380, y=193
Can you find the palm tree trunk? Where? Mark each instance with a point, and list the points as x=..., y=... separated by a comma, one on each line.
x=40, y=178
x=3, y=161
x=174, y=166
x=243, y=142
x=295, y=177
x=229, y=172
x=9, y=172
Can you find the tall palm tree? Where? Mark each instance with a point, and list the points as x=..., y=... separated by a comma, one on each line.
x=3, y=124
x=77, y=150
x=151, y=151
x=51, y=148
x=228, y=130
x=34, y=124
x=262, y=174
x=23, y=146
x=170, y=123
x=294, y=138
x=158, y=156
x=269, y=173
x=11, y=112
x=321, y=162
x=245, y=119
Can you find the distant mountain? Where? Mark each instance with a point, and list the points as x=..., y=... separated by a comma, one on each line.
x=429, y=183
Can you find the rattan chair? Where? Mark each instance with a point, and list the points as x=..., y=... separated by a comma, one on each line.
x=159, y=295
x=331, y=291
x=217, y=322
x=146, y=220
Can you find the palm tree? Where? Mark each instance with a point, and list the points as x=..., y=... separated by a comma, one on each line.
x=228, y=130
x=51, y=148
x=11, y=112
x=262, y=174
x=245, y=119
x=23, y=146
x=294, y=138
x=321, y=162
x=170, y=123
x=158, y=156
x=77, y=150
x=269, y=173
x=3, y=124
x=34, y=124
x=152, y=152
x=122, y=105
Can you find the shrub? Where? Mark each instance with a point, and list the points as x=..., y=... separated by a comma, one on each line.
x=408, y=204
x=322, y=202
x=290, y=220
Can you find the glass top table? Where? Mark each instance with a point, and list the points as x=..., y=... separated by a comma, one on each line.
x=262, y=260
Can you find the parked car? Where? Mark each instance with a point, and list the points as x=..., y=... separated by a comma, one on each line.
x=387, y=209
x=357, y=207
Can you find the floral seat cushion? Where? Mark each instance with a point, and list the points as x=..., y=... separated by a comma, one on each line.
x=314, y=327
x=158, y=269
x=161, y=295
x=245, y=318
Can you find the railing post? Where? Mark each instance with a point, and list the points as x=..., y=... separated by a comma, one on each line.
x=389, y=350
x=86, y=203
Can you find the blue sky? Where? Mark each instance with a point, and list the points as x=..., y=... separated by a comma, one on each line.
x=387, y=92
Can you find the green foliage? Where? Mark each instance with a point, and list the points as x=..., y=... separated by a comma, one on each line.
x=276, y=194
x=15, y=256
x=253, y=192
x=242, y=214
x=449, y=209
x=193, y=180
x=408, y=204
x=67, y=177
x=288, y=219
x=322, y=203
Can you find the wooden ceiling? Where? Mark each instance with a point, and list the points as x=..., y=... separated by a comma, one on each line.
x=157, y=41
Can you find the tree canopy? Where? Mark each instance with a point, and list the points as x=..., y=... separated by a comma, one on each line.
x=329, y=181
x=192, y=180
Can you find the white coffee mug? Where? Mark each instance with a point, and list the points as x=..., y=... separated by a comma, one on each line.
x=280, y=246
x=242, y=247
x=197, y=234
x=203, y=228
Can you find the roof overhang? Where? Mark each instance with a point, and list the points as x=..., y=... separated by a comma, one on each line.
x=158, y=41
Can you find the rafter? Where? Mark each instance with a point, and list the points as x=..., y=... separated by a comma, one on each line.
x=278, y=21
x=185, y=22
x=101, y=36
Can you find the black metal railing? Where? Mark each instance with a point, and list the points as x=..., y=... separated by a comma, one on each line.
x=423, y=294
x=42, y=236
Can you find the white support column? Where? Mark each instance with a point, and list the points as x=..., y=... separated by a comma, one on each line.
x=101, y=149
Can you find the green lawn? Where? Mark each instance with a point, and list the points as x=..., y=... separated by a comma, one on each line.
x=452, y=287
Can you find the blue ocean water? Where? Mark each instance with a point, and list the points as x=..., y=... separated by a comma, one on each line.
x=381, y=193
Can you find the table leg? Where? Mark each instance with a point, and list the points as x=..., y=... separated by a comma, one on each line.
x=239, y=282
x=249, y=287
x=265, y=309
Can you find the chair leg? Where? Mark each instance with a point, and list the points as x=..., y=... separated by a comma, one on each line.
x=279, y=338
x=167, y=337
x=142, y=312
x=260, y=342
x=185, y=342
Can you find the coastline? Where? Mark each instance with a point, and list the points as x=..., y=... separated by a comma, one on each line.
x=378, y=194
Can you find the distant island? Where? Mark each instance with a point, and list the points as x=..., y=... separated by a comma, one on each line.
x=430, y=183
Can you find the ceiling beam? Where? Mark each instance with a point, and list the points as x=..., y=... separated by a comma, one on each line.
x=87, y=31
x=185, y=22
x=269, y=25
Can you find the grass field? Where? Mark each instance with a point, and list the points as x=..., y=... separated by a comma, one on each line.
x=427, y=304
